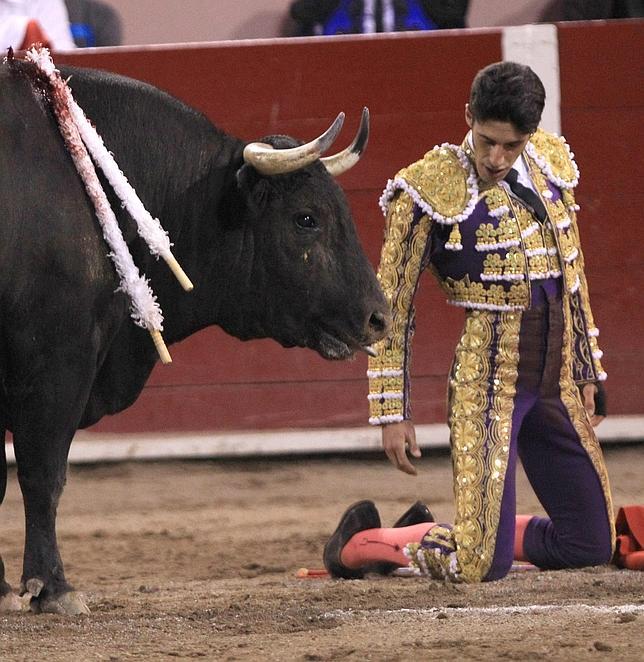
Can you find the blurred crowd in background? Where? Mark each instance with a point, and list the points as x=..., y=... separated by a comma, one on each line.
x=320, y=17
x=59, y=24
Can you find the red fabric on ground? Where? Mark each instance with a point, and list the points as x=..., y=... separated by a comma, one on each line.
x=629, y=526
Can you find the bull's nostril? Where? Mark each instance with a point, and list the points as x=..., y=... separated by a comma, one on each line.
x=379, y=322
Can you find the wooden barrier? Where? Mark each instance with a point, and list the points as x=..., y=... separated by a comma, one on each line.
x=415, y=85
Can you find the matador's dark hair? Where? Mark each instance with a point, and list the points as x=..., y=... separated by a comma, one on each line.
x=508, y=92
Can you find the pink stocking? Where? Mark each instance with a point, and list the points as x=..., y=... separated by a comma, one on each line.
x=519, y=532
x=372, y=545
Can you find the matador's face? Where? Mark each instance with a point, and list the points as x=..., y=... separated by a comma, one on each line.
x=497, y=145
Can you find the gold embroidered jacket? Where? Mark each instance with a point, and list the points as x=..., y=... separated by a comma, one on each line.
x=484, y=247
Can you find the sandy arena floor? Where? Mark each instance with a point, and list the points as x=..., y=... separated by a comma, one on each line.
x=199, y=560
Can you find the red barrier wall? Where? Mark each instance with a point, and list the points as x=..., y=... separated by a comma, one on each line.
x=415, y=86
x=602, y=109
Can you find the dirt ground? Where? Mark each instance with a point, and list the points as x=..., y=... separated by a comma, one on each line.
x=199, y=560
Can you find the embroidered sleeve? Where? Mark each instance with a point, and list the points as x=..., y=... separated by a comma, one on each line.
x=401, y=263
x=556, y=161
x=587, y=365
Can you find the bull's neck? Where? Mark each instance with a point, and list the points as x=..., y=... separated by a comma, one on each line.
x=232, y=282
x=216, y=249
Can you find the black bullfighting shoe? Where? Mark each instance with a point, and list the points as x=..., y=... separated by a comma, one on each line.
x=417, y=513
x=358, y=517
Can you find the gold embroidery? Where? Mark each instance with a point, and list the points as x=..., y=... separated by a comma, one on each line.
x=436, y=555
x=553, y=149
x=493, y=265
x=568, y=198
x=496, y=197
x=552, y=262
x=534, y=241
x=507, y=230
x=525, y=220
x=400, y=266
x=486, y=234
x=454, y=238
x=388, y=407
x=556, y=210
x=387, y=359
x=571, y=277
x=467, y=404
x=568, y=246
x=386, y=384
x=441, y=180
x=512, y=264
x=494, y=296
x=538, y=264
x=480, y=385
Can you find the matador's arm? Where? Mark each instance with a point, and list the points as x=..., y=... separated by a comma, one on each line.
x=401, y=263
x=587, y=355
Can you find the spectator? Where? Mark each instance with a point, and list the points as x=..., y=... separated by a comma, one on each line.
x=94, y=23
x=23, y=22
x=591, y=10
x=588, y=10
x=329, y=17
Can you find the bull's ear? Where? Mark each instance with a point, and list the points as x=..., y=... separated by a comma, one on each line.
x=253, y=187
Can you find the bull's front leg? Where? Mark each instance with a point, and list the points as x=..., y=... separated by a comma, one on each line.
x=42, y=477
x=8, y=599
x=49, y=411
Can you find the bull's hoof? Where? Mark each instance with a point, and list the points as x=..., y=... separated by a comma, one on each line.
x=67, y=604
x=10, y=602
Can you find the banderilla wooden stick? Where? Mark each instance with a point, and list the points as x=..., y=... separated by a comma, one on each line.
x=161, y=348
x=179, y=273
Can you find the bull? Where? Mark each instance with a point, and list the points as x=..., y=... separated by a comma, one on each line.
x=262, y=228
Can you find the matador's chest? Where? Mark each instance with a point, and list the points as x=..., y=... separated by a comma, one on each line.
x=489, y=259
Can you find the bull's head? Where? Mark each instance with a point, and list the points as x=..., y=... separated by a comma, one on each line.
x=313, y=282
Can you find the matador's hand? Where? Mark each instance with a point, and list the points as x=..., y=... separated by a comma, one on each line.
x=588, y=396
x=397, y=439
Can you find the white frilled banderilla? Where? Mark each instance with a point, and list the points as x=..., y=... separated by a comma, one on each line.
x=81, y=139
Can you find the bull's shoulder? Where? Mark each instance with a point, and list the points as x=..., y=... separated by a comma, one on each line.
x=554, y=158
x=441, y=179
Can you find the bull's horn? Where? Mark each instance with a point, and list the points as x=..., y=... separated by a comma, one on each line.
x=269, y=161
x=347, y=158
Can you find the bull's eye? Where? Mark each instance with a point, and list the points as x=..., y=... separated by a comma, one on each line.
x=306, y=221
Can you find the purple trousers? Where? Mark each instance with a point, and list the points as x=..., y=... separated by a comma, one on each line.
x=577, y=531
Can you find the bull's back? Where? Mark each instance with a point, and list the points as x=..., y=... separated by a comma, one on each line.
x=47, y=228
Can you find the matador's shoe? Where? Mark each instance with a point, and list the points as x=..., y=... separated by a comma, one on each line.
x=358, y=517
x=417, y=513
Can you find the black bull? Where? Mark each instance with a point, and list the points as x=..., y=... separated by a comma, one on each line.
x=271, y=255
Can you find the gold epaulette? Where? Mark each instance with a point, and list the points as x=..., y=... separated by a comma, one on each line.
x=554, y=158
x=441, y=180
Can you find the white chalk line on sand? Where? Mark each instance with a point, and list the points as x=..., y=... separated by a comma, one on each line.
x=491, y=611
